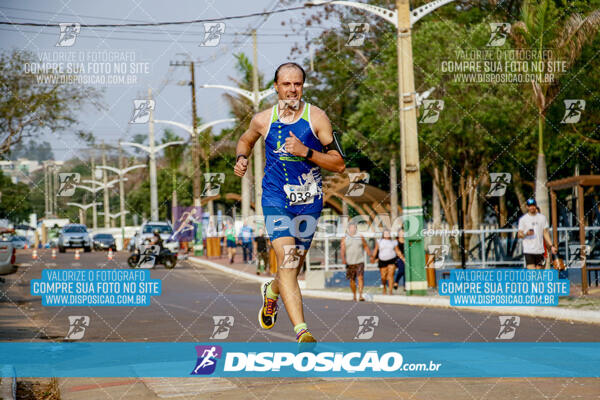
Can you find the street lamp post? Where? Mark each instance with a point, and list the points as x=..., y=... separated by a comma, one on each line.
x=412, y=205
x=152, y=150
x=84, y=207
x=94, y=189
x=194, y=136
x=121, y=173
x=116, y=215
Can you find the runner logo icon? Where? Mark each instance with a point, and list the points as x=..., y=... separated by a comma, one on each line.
x=77, y=326
x=499, y=183
x=67, y=182
x=358, y=182
x=68, y=34
x=573, y=110
x=500, y=32
x=212, y=33
x=358, y=33
x=223, y=324
x=366, y=326
x=508, y=327
x=207, y=359
x=431, y=111
x=141, y=111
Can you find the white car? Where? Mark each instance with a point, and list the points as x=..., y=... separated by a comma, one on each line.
x=8, y=255
x=165, y=231
x=74, y=236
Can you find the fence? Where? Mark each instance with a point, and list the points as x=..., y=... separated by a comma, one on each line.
x=484, y=248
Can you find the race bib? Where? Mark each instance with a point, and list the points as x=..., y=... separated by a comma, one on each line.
x=300, y=194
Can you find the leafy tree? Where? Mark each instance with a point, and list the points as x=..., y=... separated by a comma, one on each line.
x=15, y=204
x=32, y=151
x=545, y=26
x=28, y=107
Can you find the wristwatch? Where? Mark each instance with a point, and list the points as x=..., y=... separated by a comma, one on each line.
x=309, y=153
x=240, y=155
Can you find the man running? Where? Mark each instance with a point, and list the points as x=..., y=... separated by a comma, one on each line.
x=299, y=141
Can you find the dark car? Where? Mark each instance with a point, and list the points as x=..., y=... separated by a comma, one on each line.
x=104, y=241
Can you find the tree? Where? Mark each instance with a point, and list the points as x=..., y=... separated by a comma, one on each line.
x=543, y=27
x=14, y=200
x=32, y=151
x=28, y=107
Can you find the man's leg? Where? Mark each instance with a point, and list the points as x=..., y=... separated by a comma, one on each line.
x=361, y=284
x=286, y=282
x=353, y=288
x=245, y=252
x=250, y=251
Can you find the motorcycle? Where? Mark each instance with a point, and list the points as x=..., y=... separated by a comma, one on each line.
x=165, y=257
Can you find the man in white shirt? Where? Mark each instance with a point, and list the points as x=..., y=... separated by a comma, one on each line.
x=533, y=229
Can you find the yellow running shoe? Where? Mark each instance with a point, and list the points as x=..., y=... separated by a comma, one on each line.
x=267, y=315
x=306, y=341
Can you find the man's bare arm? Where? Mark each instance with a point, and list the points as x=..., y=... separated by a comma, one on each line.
x=332, y=160
x=549, y=241
x=246, y=143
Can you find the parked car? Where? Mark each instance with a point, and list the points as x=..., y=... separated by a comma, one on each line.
x=165, y=231
x=104, y=241
x=19, y=242
x=74, y=236
x=8, y=255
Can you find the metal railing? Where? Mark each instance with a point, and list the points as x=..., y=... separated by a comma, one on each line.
x=485, y=248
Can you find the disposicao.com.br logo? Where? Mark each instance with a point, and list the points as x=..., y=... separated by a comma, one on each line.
x=327, y=362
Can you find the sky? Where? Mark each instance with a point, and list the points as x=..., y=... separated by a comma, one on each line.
x=150, y=49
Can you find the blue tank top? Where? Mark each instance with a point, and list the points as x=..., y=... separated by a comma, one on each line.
x=291, y=182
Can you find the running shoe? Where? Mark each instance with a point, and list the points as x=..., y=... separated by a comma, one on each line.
x=267, y=315
x=304, y=336
x=306, y=341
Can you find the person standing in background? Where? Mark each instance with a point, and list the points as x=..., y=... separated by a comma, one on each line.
x=230, y=240
x=533, y=229
x=246, y=236
x=386, y=250
x=400, y=261
x=262, y=251
x=353, y=248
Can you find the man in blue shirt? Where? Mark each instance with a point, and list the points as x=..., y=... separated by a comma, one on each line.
x=246, y=237
x=299, y=141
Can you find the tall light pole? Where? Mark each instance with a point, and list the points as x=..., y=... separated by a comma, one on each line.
x=121, y=172
x=83, y=207
x=152, y=150
x=195, y=135
x=94, y=189
x=106, y=194
x=412, y=204
x=116, y=215
x=195, y=139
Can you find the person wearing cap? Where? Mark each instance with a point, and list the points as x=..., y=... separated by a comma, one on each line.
x=533, y=229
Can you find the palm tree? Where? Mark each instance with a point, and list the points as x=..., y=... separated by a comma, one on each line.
x=542, y=28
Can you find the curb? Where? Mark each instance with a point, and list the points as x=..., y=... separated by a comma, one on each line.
x=8, y=383
x=563, y=314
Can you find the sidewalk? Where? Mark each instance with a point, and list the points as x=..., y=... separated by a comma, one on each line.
x=248, y=271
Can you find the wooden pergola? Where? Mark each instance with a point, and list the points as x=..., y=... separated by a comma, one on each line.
x=579, y=182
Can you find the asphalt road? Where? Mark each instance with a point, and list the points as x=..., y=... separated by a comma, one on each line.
x=192, y=295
